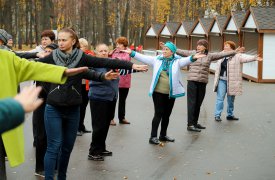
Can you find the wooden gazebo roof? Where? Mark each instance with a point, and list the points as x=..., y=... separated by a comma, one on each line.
x=172, y=27
x=156, y=28
x=263, y=17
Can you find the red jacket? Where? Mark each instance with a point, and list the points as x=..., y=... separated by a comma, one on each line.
x=91, y=53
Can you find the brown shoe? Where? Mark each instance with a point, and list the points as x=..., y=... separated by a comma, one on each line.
x=124, y=121
x=113, y=123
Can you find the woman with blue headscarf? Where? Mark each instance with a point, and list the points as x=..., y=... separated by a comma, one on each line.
x=165, y=87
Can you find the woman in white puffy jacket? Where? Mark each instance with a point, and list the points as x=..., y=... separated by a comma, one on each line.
x=166, y=85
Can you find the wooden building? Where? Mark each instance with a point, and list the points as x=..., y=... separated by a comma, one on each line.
x=169, y=31
x=215, y=37
x=151, y=41
x=232, y=28
x=258, y=37
x=200, y=30
x=182, y=37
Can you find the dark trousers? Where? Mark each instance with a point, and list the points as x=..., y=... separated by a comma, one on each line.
x=83, y=106
x=34, y=127
x=3, y=175
x=163, y=106
x=102, y=113
x=195, y=96
x=123, y=93
x=41, y=137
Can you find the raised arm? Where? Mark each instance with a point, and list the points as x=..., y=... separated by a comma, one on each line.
x=140, y=57
x=100, y=76
x=93, y=75
x=185, y=53
x=96, y=62
x=185, y=61
x=27, y=55
x=124, y=72
x=220, y=55
x=143, y=58
x=245, y=58
x=30, y=70
x=92, y=61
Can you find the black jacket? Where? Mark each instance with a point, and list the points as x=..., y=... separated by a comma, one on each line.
x=69, y=94
x=26, y=55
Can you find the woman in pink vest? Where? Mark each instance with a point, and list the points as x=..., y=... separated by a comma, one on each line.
x=125, y=80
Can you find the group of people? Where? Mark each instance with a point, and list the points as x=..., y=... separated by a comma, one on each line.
x=67, y=85
x=62, y=108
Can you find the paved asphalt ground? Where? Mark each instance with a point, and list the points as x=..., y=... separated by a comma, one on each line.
x=240, y=150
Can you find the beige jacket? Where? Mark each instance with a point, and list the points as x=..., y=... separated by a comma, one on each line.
x=199, y=70
x=234, y=73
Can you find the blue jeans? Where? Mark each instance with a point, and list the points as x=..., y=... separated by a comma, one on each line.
x=61, y=124
x=221, y=91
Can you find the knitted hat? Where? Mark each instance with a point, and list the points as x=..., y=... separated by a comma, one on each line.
x=3, y=36
x=171, y=46
x=203, y=42
x=9, y=36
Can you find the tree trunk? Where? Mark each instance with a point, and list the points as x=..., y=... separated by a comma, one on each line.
x=118, y=19
x=36, y=20
x=125, y=26
x=27, y=21
x=105, y=19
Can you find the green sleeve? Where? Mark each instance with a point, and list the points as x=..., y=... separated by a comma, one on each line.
x=11, y=114
x=30, y=70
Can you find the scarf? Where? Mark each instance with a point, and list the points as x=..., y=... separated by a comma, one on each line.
x=67, y=60
x=4, y=47
x=166, y=63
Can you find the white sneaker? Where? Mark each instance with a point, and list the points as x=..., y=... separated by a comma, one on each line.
x=40, y=174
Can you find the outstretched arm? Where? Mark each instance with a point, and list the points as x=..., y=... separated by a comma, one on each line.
x=92, y=61
x=100, y=76
x=185, y=53
x=220, y=55
x=124, y=72
x=140, y=57
x=245, y=58
x=185, y=61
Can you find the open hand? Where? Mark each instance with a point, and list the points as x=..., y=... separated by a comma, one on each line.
x=259, y=58
x=110, y=75
x=41, y=54
x=143, y=68
x=128, y=50
x=28, y=98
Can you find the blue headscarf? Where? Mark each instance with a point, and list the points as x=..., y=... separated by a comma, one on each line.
x=171, y=46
